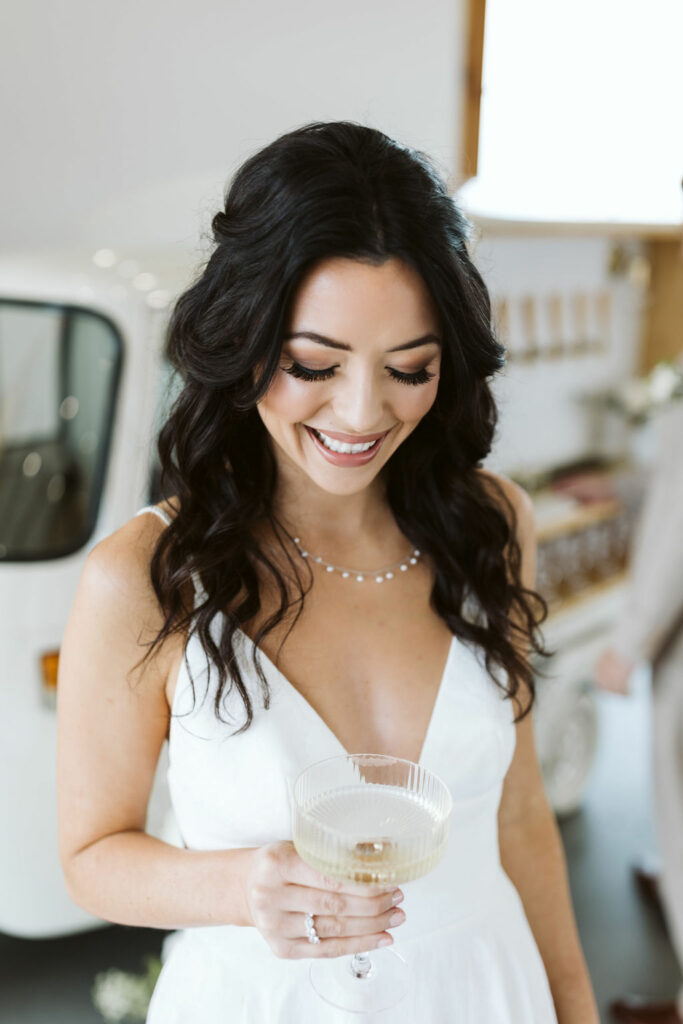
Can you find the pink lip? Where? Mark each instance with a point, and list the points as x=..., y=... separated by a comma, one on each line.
x=349, y=438
x=345, y=458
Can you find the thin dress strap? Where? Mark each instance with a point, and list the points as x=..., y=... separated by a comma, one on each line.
x=156, y=511
x=199, y=592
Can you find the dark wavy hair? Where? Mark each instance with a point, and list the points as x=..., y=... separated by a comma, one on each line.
x=336, y=189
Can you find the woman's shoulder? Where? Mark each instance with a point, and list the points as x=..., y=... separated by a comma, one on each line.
x=118, y=567
x=518, y=508
x=508, y=492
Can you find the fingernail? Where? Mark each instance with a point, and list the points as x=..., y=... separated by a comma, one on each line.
x=398, y=898
x=397, y=918
x=385, y=942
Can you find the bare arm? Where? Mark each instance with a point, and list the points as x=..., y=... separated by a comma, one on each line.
x=530, y=845
x=112, y=720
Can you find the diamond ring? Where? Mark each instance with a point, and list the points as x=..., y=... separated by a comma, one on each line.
x=310, y=929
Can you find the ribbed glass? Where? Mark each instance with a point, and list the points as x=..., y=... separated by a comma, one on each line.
x=370, y=818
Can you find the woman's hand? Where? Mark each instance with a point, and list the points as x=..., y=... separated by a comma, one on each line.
x=280, y=889
x=612, y=672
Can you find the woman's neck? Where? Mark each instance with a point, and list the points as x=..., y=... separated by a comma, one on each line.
x=353, y=521
x=337, y=526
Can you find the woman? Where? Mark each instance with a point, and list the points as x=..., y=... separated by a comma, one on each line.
x=332, y=572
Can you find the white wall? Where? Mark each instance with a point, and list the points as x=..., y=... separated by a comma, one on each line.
x=122, y=122
x=545, y=416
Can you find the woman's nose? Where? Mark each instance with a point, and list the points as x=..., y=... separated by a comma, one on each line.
x=359, y=404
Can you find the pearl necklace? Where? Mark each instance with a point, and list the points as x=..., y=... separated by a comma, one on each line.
x=359, y=575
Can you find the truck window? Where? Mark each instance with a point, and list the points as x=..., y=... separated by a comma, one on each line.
x=59, y=375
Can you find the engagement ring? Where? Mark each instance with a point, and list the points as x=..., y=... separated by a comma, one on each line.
x=310, y=929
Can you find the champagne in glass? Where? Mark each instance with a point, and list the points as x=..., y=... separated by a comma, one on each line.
x=377, y=820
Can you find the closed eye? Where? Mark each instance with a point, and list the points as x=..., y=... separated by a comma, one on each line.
x=422, y=376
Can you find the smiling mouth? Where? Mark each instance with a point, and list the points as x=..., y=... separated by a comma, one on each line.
x=341, y=453
x=344, y=445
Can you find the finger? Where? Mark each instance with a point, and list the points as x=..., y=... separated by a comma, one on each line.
x=294, y=869
x=293, y=926
x=337, y=904
x=297, y=949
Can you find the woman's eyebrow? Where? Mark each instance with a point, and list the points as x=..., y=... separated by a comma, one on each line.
x=426, y=339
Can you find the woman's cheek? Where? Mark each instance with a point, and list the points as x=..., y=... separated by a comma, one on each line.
x=415, y=406
x=290, y=399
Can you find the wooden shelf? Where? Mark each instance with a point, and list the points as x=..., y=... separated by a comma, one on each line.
x=587, y=595
x=578, y=518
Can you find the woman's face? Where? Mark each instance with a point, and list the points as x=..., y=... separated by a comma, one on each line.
x=368, y=336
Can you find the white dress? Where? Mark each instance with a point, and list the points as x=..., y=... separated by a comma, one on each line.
x=472, y=955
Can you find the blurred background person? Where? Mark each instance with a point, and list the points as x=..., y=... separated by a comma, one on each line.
x=650, y=629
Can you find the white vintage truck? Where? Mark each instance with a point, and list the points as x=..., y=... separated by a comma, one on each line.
x=81, y=382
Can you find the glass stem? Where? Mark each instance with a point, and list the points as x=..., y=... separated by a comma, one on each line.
x=361, y=965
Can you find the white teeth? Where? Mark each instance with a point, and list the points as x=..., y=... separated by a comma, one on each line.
x=339, y=446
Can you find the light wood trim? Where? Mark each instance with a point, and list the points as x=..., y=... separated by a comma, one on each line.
x=663, y=326
x=474, y=62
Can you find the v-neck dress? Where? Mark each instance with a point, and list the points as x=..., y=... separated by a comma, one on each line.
x=472, y=956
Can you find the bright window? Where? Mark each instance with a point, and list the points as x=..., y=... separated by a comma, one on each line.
x=581, y=107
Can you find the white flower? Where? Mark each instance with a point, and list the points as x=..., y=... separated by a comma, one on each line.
x=638, y=397
x=120, y=995
x=663, y=381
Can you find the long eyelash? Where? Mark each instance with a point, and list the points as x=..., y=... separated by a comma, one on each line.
x=302, y=373
x=296, y=370
x=421, y=377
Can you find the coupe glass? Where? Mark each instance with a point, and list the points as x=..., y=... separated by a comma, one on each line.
x=376, y=820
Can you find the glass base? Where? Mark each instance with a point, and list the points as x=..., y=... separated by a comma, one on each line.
x=385, y=984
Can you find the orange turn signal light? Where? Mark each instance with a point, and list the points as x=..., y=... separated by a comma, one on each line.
x=49, y=664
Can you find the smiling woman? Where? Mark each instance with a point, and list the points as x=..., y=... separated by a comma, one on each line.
x=332, y=571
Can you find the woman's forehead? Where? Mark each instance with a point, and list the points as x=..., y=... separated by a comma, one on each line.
x=345, y=299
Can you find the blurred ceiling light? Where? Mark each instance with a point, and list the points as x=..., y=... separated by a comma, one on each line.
x=104, y=258
x=144, y=282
